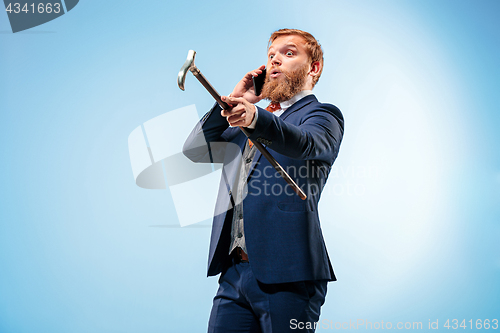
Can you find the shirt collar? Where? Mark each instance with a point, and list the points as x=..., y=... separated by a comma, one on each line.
x=286, y=104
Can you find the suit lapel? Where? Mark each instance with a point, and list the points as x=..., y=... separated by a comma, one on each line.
x=298, y=105
x=256, y=159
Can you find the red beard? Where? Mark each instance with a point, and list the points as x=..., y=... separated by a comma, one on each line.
x=286, y=86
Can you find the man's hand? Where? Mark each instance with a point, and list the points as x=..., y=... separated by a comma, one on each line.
x=242, y=112
x=245, y=89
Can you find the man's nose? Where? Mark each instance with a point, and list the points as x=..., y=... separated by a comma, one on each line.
x=276, y=60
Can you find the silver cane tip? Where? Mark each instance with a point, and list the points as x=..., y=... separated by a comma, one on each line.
x=181, y=78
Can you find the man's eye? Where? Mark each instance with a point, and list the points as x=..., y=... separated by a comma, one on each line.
x=289, y=53
x=271, y=56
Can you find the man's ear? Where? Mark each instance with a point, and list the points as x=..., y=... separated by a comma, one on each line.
x=315, y=68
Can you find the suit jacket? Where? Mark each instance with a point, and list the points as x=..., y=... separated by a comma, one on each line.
x=282, y=232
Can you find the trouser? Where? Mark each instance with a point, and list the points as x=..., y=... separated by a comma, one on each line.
x=243, y=304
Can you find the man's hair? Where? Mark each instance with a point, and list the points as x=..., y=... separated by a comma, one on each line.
x=312, y=46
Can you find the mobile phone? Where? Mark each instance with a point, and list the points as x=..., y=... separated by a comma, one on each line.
x=258, y=82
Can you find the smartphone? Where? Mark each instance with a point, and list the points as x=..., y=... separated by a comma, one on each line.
x=258, y=82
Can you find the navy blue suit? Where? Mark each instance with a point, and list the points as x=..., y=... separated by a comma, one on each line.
x=282, y=232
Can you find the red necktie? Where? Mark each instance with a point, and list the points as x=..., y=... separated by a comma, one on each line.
x=272, y=107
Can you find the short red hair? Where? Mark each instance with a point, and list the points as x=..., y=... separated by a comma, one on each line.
x=312, y=46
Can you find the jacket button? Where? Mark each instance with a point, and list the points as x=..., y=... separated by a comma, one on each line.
x=240, y=235
x=230, y=193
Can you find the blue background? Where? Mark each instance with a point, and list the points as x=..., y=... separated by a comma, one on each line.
x=411, y=215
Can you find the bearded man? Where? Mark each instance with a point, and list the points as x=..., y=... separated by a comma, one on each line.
x=266, y=242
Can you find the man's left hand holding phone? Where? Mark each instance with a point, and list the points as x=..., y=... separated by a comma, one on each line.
x=243, y=98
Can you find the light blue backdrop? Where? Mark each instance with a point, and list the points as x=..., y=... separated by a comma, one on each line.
x=411, y=215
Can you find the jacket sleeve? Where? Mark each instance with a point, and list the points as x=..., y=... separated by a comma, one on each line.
x=208, y=140
x=317, y=137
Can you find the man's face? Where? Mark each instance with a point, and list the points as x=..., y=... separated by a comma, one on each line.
x=288, y=66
